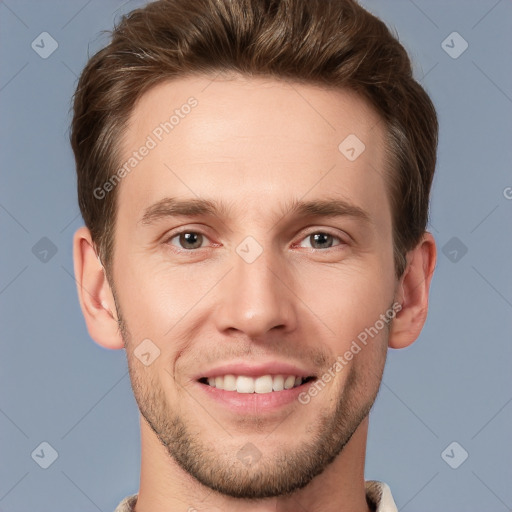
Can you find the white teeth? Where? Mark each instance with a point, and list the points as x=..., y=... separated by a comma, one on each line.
x=289, y=382
x=229, y=382
x=244, y=384
x=262, y=384
x=278, y=383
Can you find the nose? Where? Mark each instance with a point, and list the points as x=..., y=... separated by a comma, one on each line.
x=257, y=297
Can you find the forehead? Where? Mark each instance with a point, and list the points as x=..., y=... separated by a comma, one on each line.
x=253, y=141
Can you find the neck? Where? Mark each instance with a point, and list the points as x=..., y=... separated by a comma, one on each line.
x=165, y=486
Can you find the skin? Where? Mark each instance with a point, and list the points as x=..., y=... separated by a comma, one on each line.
x=257, y=145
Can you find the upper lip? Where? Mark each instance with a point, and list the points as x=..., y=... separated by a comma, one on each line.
x=255, y=370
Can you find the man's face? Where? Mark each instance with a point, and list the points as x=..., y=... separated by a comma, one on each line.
x=255, y=288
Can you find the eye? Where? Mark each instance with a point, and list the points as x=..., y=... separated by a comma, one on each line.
x=190, y=240
x=187, y=240
x=321, y=240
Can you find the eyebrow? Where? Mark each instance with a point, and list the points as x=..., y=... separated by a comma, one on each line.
x=173, y=207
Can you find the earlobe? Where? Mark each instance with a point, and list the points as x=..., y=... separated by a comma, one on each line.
x=412, y=293
x=94, y=293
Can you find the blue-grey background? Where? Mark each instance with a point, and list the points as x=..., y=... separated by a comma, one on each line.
x=454, y=384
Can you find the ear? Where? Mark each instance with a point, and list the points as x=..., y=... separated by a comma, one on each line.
x=412, y=293
x=94, y=293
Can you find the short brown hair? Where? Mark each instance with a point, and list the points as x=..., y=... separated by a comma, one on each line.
x=333, y=43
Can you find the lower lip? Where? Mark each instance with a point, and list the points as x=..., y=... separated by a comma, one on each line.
x=254, y=402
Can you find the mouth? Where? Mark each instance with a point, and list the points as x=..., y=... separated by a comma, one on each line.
x=255, y=388
x=263, y=384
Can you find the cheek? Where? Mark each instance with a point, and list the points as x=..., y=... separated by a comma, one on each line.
x=347, y=300
x=155, y=297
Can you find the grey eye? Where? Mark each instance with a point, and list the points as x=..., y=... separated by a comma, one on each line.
x=188, y=240
x=320, y=240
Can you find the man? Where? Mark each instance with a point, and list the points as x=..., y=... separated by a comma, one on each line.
x=254, y=176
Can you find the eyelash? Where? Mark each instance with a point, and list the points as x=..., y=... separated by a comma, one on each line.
x=189, y=231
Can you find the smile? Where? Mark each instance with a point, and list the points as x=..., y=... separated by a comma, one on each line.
x=261, y=384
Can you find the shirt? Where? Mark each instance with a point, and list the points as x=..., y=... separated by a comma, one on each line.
x=378, y=496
